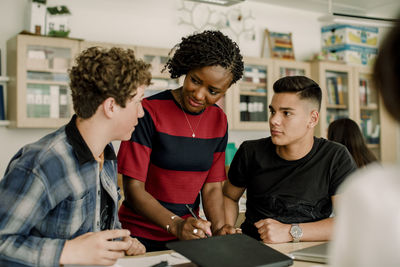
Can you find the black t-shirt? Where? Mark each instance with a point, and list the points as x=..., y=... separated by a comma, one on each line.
x=106, y=209
x=289, y=191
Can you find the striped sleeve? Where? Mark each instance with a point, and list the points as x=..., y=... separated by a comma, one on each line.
x=134, y=155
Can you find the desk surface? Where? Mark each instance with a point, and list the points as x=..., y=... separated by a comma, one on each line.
x=289, y=247
x=284, y=248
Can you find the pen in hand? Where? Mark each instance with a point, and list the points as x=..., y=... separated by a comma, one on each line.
x=195, y=216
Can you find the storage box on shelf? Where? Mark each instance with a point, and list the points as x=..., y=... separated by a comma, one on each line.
x=355, y=45
x=38, y=91
x=355, y=55
x=342, y=34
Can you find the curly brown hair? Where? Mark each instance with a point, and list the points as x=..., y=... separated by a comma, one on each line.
x=102, y=73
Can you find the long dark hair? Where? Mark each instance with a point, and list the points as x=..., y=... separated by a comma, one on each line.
x=347, y=132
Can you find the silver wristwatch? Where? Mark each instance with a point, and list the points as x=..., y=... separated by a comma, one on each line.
x=296, y=232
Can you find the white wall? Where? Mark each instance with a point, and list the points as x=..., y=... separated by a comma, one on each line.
x=150, y=23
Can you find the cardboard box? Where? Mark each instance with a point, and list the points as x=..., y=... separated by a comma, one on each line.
x=37, y=64
x=353, y=54
x=59, y=63
x=341, y=34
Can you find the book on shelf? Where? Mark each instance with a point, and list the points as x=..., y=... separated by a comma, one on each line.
x=335, y=90
x=335, y=115
x=333, y=95
x=63, y=100
x=364, y=93
x=367, y=97
x=339, y=84
x=38, y=101
x=2, y=104
x=252, y=108
x=54, y=101
x=330, y=91
x=255, y=74
x=374, y=138
x=291, y=72
x=366, y=124
x=47, y=101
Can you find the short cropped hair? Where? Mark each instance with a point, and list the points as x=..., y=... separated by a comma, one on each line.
x=208, y=48
x=387, y=71
x=301, y=85
x=102, y=73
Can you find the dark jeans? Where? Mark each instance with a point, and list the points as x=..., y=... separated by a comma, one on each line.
x=153, y=245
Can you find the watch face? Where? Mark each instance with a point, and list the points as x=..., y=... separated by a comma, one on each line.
x=296, y=231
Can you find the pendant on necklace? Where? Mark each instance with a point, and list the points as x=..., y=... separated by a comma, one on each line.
x=193, y=135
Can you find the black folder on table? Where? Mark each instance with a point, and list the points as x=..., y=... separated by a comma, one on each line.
x=236, y=250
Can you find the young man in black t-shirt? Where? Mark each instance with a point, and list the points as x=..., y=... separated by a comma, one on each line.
x=291, y=177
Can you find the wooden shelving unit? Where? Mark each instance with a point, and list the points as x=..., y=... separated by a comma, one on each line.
x=39, y=94
x=361, y=103
x=245, y=103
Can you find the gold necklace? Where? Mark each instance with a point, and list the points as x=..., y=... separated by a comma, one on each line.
x=184, y=113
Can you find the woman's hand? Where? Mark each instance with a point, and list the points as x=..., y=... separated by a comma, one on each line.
x=191, y=228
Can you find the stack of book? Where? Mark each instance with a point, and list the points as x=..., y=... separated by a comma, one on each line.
x=335, y=90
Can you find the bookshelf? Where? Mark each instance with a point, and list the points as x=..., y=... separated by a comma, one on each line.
x=38, y=91
x=376, y=125
x=347, y=91
x=250, y=96
x=336, y=82
x=368, y=111
x=38, y=94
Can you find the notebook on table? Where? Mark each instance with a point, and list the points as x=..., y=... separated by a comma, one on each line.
x=236, y=250
x=318, y=253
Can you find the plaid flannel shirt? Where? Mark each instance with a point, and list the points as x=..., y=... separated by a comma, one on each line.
x=51, y=193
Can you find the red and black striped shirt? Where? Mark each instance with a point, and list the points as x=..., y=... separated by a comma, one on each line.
x=173, y=165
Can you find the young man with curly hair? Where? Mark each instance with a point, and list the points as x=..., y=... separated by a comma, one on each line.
x=292, y=176
x=58, y=197
x=178, y=149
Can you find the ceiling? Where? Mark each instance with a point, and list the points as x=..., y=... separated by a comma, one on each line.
x=381, y=8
